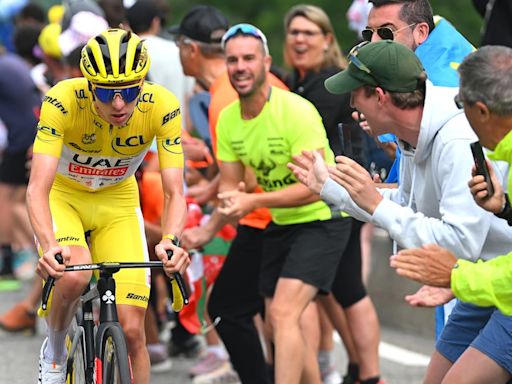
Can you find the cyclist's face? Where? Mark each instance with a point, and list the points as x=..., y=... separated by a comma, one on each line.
x=117, y=111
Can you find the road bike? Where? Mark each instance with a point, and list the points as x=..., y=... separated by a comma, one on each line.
x=97, y=353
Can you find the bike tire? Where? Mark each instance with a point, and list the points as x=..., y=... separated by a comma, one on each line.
x=114, y=357
x=76, y=365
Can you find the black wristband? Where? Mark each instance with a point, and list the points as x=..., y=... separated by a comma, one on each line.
x=506, y=212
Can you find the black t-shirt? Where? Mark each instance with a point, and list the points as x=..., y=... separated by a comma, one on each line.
x=334, y=109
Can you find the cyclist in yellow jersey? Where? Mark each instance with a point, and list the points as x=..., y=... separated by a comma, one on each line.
x=92, y=135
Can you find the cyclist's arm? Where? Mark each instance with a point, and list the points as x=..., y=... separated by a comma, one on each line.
x=44, y=168
x=175, y=207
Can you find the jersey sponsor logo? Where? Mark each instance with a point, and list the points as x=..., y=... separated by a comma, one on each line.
x=67, y=238
x=109, y=172
x=80, y=94
x=264, y=166
x=170, y=116
x=98, y=124
x=134, y=296
x=56, y=103
x=76, y=146
x=146, y=98
x=47, y=134
x=173, y=145
x=88, y=138
x=275, y=184
x=93, y=166
x=120, y=144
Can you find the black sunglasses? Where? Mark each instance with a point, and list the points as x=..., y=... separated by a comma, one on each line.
x=385, y=33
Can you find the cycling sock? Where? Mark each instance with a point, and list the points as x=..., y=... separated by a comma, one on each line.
x=353, y=370
x=56, y=347
x=371, y=380
x=324, y=361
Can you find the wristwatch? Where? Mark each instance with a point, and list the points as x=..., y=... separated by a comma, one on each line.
x=174, y=239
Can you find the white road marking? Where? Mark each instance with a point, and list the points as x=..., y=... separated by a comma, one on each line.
x=397, y=354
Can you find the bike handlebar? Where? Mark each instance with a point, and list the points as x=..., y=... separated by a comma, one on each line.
x=50, y=283
x=180, y=295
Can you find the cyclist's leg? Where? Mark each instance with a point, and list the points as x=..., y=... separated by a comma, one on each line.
x=119, y=236
x=235, y=300
x=69, y=232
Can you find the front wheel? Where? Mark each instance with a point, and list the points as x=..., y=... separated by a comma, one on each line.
x=114, y=357
x=76, y=363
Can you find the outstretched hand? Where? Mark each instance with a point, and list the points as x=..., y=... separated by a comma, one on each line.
x=430, y=265
x=358, y=183
x=428, y=296
x=310, y=169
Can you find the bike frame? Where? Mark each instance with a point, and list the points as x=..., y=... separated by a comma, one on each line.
x=106, y=290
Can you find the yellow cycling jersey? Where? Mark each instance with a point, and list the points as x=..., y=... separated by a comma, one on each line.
x=94, y=154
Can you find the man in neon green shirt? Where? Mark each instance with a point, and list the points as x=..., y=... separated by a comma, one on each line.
x=485, y=94
x=303, y=244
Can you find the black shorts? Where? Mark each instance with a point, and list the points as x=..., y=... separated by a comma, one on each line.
x=309, y=252
x=348, y=287
x=12, y=168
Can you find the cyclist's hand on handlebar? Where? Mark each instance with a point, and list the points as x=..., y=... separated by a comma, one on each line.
x=49, y=266
x=179, y=261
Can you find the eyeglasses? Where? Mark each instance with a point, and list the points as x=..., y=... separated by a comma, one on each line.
x=352, y=58
x=308, y=34
x=458, y=101
x=385, y=33
x=106, y=95
x=245, y=30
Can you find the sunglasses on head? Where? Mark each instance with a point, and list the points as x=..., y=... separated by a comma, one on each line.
x=385, y=33
x=353, y=59
x=106, y=95
x=245, y=30
x=458, y=101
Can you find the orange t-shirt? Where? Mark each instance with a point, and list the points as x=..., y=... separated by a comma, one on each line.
x=222, y=94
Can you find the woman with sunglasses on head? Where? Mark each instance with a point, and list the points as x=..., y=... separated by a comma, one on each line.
x=92, y=135
x=312, y=51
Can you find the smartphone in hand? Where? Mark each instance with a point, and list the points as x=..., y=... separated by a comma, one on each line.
x=481, y=166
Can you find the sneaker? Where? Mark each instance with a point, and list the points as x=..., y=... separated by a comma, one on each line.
x=331, y=377
x=50, y=373
x=191, y=348
x=18, y=319
x=222, y=375
x=159, y=359
x=347, y=379
x=207, y=364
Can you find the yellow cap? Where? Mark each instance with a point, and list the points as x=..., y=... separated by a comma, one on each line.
x=56, y=13
x=49, y=40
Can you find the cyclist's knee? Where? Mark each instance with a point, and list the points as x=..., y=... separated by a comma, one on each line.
x=134, y=332
x=73, y=284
